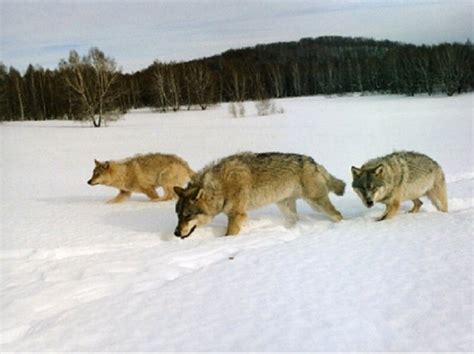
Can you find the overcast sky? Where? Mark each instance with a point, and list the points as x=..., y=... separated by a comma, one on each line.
x=136, y=33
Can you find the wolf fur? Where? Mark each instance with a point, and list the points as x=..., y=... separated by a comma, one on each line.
x=400, y=176
x=246, y=181
x=142, y=174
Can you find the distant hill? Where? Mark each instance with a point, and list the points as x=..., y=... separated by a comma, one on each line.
x=331, y=65
x=324, y=65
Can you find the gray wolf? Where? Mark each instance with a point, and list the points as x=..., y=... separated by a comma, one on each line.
x=142, y=174
x=245, y=181
x=400, y=176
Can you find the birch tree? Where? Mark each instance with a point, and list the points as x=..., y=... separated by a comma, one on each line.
x=91, y=79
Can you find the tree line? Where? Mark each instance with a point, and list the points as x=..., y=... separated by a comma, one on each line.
x=92, y=88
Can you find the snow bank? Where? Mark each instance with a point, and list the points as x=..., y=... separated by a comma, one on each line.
x=81, y=275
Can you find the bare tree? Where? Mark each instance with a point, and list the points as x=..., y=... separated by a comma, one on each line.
x=423, y=67
x=237, y=85
x=105, y=71
x=167, y=85
x=4, y=102
x=199, y=78
x=90, y=80
x=454, y=66
x=295, y=71
x=41, y=88
x=17, y=82
x=258, y=83
x=277, y=80
x=174, y=87
x=159, y=85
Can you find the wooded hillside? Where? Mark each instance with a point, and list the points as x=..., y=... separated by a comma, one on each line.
x=91, y=86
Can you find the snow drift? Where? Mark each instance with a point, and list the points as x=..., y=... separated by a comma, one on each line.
x=80, y=275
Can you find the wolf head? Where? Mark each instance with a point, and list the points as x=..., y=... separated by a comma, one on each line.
x=369, y=184
x=101, y=173
x=191, y=209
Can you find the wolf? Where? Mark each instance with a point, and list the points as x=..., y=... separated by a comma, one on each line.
x=245, y=181
x=397, y=177
x=143, y=174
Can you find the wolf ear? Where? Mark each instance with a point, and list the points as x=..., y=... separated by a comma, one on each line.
x=200, y=194
x=97, y=162
x=178, y=190
x=355, y=171
x=197, y=194
x=379, y=170
x=106, y=165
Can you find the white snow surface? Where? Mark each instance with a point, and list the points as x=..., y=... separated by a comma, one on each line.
x=81, y=275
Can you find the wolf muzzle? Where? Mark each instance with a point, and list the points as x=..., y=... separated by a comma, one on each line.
x=177, y=233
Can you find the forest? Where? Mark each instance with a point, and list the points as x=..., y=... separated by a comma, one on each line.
x=92, y=88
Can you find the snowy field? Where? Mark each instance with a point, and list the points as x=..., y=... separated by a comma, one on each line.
x=81, y=275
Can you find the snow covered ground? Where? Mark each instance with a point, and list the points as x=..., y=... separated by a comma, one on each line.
x=81, y=275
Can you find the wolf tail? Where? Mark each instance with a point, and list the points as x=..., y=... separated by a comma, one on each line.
x=334, y=184
x=438, y=194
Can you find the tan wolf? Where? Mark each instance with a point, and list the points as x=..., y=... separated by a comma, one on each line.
x=143, y=174
x=400, y=176
x=247, y=181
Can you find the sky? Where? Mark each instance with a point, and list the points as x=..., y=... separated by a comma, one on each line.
x=136, y=33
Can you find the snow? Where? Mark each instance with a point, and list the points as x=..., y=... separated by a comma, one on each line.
x=81, y=275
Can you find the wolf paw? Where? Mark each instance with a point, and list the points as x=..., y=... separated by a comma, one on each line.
x=114, y=201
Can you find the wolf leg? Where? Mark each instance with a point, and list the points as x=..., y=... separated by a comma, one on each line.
x=417, y=203
x=234, y=223
x=151, y=193
x=288, y=208
x=324, y=204
x=169, y=194
x=391, y=210
x=122, y=196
